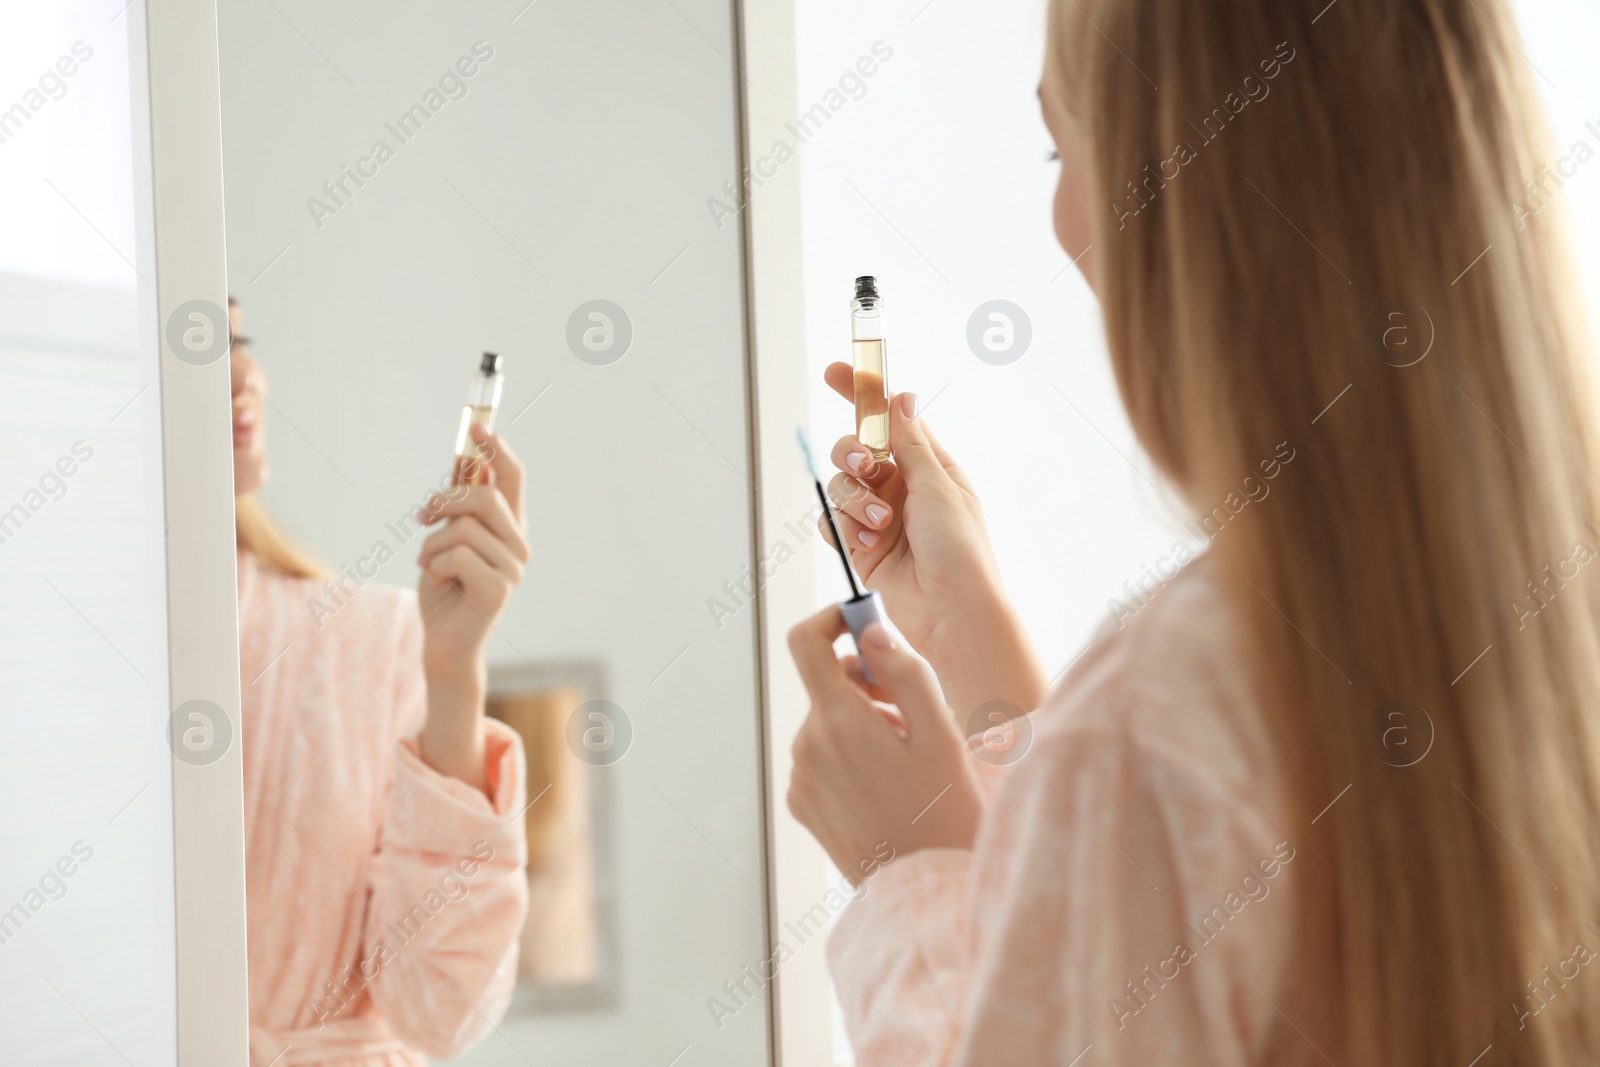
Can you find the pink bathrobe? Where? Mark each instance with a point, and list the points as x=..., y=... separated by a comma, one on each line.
x=384, y=898
x=1129, y=901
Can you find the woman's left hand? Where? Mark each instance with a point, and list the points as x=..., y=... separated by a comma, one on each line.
x=865, y=776
x=469, y=570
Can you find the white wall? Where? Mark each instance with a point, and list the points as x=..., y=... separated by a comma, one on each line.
x=1560, y=40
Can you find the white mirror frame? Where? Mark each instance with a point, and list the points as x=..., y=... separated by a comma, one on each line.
x=185, y=163
x=797, y=868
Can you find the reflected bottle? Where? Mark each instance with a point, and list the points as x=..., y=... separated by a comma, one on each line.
x=483, y=397
x=871, y=370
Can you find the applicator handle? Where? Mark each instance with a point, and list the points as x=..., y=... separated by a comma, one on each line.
x=862, y=612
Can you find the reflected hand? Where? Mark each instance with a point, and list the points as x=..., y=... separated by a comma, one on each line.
x=469, y=570
x=870, y=783
x=915, y=532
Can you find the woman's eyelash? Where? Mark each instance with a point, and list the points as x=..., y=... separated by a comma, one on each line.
x=1052, y=156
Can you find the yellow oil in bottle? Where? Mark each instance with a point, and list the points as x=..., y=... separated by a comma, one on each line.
x=872, y=398
x=472, y=467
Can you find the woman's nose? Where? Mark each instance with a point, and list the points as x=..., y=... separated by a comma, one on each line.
x=244, y=375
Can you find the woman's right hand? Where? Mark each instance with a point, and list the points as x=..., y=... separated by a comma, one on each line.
x=915, y=532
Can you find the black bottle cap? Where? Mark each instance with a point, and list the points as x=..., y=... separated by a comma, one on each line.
x=490, y=364
x=866, y=285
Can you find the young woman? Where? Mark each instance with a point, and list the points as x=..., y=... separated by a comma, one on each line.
x=1332, y=796
x=384, y=863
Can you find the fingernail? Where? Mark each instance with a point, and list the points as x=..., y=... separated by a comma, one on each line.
x=876, y=513
x=867, y=537
x=855, y=460
x=908, y=405
x=877, y=636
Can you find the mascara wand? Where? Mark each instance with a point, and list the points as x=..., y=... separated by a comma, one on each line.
x=827, y=509
x=863, y=608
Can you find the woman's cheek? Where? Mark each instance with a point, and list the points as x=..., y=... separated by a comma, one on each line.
x=1071, y=210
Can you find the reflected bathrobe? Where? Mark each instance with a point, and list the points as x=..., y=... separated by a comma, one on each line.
x=1129, y=901
x=384, y=898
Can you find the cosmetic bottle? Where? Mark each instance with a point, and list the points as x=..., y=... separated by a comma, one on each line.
x=871, y=370
x=483, y=397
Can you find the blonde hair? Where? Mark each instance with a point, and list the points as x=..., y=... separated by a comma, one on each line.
x=1373, y=180
x=274, y=550
x=257, y=533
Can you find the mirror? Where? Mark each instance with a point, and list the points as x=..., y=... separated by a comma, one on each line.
x=407, y=189
x=87, y=847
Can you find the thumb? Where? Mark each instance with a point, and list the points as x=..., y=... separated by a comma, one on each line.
x=907, y=680
x=914, y=451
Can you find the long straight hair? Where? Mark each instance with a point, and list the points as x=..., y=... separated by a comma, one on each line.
x=275, y=551
x=1313, y=225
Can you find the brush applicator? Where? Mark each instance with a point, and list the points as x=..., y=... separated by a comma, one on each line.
x=865, y=606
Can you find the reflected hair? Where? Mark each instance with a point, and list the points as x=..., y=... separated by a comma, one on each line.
x=1245, y=287
x=260, y=535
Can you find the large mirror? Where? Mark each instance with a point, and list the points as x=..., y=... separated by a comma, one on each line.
x=88, y=882
x=408, y=190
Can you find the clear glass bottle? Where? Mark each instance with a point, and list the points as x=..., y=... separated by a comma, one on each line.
x=483, y=397
x=871, y=368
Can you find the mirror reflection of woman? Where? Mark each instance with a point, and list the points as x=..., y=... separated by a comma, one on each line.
x=1330, y=795
x=384, y=862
